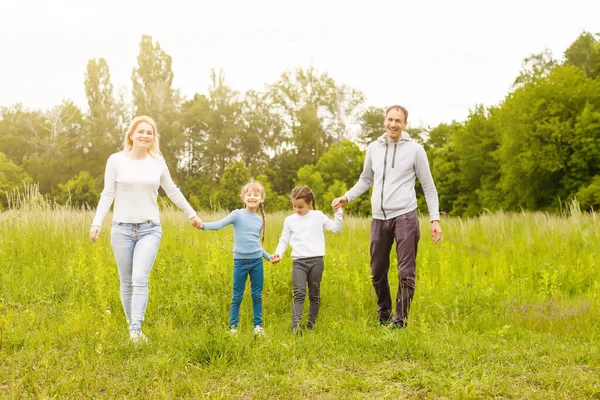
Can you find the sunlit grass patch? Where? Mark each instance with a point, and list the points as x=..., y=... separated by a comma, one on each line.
x=506, y=306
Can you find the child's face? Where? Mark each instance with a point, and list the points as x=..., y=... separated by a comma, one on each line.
x=252, y=199
x=301, y=207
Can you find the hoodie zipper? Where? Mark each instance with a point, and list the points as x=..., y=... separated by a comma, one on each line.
x=383, y=179
x=394, y=158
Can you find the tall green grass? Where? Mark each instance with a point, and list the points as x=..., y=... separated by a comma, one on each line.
x=506, y=307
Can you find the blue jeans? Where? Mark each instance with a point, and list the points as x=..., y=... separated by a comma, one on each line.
x=135, y=247
x=241, y=269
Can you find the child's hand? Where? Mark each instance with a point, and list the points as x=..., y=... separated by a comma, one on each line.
x=275, y=258
x=339, y=202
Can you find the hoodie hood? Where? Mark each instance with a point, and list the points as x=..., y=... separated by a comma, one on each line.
x=384, y=138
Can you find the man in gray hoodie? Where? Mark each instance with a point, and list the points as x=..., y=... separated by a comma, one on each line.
x=392, y=164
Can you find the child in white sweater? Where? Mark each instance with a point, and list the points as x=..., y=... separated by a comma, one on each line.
x=304, y=232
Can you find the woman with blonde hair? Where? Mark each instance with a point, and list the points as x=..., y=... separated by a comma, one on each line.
x=132, y=179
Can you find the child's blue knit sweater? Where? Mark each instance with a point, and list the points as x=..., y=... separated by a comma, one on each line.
x=246, y=233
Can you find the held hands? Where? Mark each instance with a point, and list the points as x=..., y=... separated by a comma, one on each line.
x=339, y=202
x=95, y=232
x=275, y=258
x=197, y=222
x=436, y=231
x=95, y=229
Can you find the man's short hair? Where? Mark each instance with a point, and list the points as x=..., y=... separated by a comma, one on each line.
x=399, y=108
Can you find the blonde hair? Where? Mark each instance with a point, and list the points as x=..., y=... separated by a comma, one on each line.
x=154, y=150
x=261, y=207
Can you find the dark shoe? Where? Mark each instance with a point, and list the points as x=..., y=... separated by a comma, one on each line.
x=385, y=321
x=295, y=330
x=399, y=325
x=310, y=325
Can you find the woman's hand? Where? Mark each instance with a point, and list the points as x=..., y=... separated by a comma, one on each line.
x=95, y=232
x=197, y=222
x=436, y=231
x=275, y=258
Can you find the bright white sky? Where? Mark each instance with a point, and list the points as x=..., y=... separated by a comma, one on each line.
x=438, y=58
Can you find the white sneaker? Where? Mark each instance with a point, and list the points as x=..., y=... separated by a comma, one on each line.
x=259, y=331
x=137, y=337
x=232, y=331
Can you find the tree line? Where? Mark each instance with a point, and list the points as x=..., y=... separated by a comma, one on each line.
x=538, y=148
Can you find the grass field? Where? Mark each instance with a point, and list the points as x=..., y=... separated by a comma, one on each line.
x=507, y=306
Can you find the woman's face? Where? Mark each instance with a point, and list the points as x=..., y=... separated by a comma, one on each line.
x=143, y=136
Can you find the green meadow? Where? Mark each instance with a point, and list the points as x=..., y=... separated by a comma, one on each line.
x=507, y=306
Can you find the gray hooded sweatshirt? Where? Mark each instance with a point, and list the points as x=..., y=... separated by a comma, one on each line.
x=391, y=167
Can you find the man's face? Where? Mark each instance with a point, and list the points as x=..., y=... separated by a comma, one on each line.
x=395, y=122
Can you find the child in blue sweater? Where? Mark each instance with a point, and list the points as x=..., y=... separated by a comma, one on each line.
x=247, y=252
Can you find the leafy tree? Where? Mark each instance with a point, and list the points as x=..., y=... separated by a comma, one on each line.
x=539, y=141
x=224, y=122
x=64, y=145
x=152, y=80
x=309, y=176
x=235, y=176
x=282, y=171
x=274, y=201
x=589, y=196
x=439, y=136
x=308, y=135
x=584, y=53
x=210, y=125
x=154, y=96
x=101, y=122
x=80, y=190
x=335, y=172
x=259, y=133
x=475, y=144
x=371, y=124
x=445, y=166
x=22, y=132
x=583, y=159
x=535, y=67
x=316, y=111
x=201, y=191
x=196, y=157
x=99, y=89
x=343, y=162
x=11, y=176
x=337, y=189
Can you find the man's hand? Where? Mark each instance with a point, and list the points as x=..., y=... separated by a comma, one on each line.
x=275, y=258
x=436, y=231
x=339, y=202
